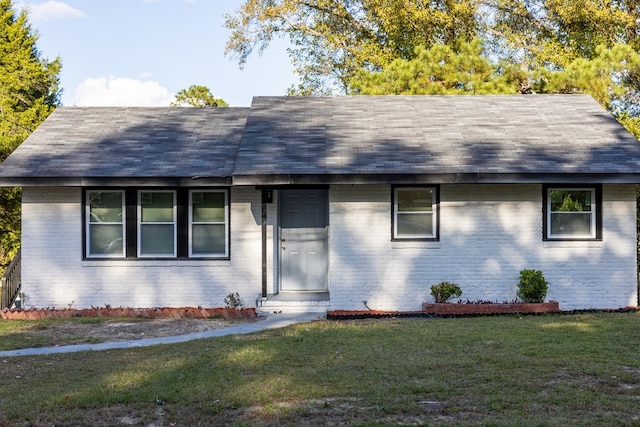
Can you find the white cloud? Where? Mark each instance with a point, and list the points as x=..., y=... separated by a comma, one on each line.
x=50, y=11
x=120, y=91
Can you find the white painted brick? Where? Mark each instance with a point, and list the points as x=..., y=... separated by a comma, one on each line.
x=488, y=233
x=54, y=274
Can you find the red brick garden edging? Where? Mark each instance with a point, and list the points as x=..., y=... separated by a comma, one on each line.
x=491, y=308
x=451, y=309
x=148, y=313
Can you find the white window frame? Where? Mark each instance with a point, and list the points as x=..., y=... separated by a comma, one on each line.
x=88, y=223
x=593, y=212
x=433, y=212
x=174, y=223
x=225, y=223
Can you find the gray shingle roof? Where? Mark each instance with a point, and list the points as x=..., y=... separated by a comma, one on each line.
x=85, y=143
x=454, y=136
x=281, y=140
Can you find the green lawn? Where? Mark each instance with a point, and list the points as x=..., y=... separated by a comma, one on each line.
x=533, y=370
x=16, y=334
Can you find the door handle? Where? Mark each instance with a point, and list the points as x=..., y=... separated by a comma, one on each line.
x=284, y=247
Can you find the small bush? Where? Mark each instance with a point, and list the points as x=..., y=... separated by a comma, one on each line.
x=532, y=286
x=445, y=290
x=233, y=300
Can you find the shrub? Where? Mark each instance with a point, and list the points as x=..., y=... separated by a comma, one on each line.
x=233, y=300
x=532, y=286
x=445, y=290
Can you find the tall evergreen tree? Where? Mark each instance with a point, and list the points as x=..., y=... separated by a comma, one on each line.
x=442, y=70
x=29, y=92
x=467, y=70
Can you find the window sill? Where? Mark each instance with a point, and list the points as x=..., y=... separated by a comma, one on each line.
x=143, y=263
x=572, y=244
x=413, y=244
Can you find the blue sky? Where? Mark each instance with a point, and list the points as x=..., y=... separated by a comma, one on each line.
x=141, y=52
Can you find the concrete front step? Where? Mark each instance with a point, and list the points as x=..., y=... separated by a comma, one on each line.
x=294, y=303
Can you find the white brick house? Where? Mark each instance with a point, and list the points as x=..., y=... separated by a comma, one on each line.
x=328, y=203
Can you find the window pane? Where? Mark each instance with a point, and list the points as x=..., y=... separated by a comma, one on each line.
x=208, y=207
x=105, y=207
x=105, y=239
x=571, y=224
x=156, y=207
x=415, y=199
x=570, y=200
x=415, y=224
x=208, y=239
x=156, y=239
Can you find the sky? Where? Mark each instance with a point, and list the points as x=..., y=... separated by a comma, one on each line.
x=141, y=52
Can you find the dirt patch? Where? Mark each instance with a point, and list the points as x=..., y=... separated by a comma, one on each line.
x=77, y=331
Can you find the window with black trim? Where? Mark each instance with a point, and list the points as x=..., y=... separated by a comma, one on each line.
x=572, y=212
x=156, y=223
x=415, y=213
x=208, y=219
x=105, y=224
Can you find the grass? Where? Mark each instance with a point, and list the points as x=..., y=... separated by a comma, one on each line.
x=496, y=371
x=16, y=334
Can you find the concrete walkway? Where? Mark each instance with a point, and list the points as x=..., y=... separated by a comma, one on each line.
x=272, y=321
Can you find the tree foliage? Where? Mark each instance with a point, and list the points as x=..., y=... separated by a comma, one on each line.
x=197, y=96
x=28, y=94
x=333, y=39
x=467, y=70
x=554, y=33
x=441, y=70
x=606, y=76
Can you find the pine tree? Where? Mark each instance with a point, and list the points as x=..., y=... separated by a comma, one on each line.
x=28, y=94
x=442, y=70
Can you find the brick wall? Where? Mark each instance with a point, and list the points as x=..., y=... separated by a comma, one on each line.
x=54, y=274
x=488, y=233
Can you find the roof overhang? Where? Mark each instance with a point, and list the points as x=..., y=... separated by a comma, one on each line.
x=195, y=181
x=310, y=180
x=453, y=178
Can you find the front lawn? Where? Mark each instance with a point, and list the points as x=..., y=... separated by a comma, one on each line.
x=532, y=370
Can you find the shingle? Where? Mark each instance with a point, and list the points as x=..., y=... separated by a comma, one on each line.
x=506, y=134
x=130, y=142
x=422, y=135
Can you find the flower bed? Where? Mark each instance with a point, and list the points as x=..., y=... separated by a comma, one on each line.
x=373, y=314
x=148, y=313
x=490, y=308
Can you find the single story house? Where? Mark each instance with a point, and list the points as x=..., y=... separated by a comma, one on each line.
x=318, y=203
